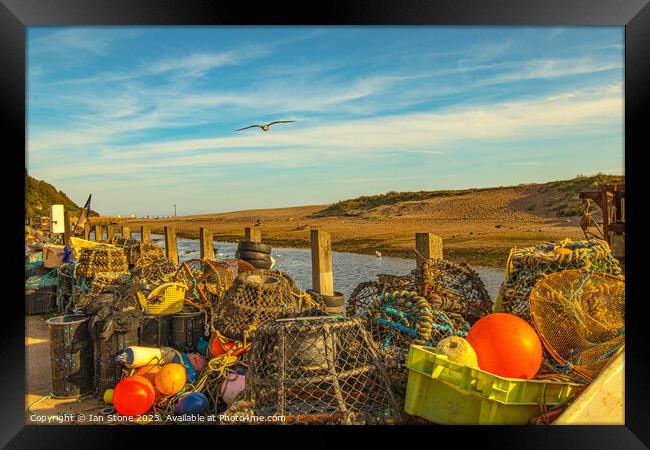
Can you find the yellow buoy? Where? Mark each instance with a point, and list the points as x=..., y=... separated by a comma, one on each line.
x=458, y=350
x=108, y=396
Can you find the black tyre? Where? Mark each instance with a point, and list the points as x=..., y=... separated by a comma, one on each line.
x=259, y=264
x=249, y=254
x=254, y=247
x=333, y=301
x=334, y=310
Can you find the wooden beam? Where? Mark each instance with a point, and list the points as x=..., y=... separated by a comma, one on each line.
x=170, y=244
x=99, y=232
x=126, y=232
x=66, y=228
x=322, y=277
x=110, y=232
x=252, y=234
x=427, y=245
x=87, y=231
x=206, y=244
x=145, y=234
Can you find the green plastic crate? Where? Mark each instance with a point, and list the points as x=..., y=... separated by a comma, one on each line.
x=448, y=393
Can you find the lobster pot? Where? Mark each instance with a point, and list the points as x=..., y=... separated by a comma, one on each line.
x=187, y=327
x=155, y=331
x=40, y=301
x=71, y=356
x=108, y=371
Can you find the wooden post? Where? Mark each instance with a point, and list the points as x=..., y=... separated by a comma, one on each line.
x=87, y=231
x=99, y=232
x=322, y=278
x=429, y=246
x=170, y=244
x=253, y=235
x=110, y=232
x=145, y=234
x=206, y=244
x=66, y=228
x=126, y=232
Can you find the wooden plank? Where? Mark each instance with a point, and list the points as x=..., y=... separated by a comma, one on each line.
x=99, y=232
x=206, y=246
x=170, y=244
x=66, y=228
x=145, y=234
x=126, y=232
x=252, y=234
x=87, y=231
x=427, y=246
x=110, y=232
x=322, y=276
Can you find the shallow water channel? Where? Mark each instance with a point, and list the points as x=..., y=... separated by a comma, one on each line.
x=350, y=269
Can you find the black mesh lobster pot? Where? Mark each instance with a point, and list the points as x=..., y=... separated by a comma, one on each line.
x=71, y=355
x=109, y=373
x=187, y=327
x=40, y=301
x=317, y=370
x=155, y=331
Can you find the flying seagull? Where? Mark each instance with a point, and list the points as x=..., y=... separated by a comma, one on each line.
x=266, y=126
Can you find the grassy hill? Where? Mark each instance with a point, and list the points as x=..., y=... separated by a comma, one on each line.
x=40, y=195
x=556, y=198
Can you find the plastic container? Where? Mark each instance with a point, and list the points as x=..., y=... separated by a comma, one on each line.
x=71, y=356
x=155, y=331
x=166, y=299
x=447, y=393
x=40, y=301
x=108, y=371
x=187, y=327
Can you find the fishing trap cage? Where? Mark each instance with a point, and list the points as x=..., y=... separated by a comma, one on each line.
x=526, y=266
x=154, y=272
x=137, y=252
x=580, y=318
x=446, y=286
x=397, y=319
x=258, y=297
x=207, y=280
x=317, y=370
x=101, y=259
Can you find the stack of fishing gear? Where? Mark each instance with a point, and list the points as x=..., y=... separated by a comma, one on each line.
x=317, y=370
x=527, y=266
x=101, y=259
x=137, y=252
x=256, y=298
x=446, y=286
x=152, y=273
x=580, y=318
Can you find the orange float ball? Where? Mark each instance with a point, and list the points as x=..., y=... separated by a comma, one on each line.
x=133, y=396
x=149, y=372
x=506, y=345
x=171, y=378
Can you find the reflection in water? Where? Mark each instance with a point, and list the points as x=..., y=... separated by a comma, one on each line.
x=350, y=269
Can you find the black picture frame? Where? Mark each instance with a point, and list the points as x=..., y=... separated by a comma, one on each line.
x=634, y=15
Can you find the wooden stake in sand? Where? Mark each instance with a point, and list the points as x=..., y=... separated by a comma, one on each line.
x=427, y=246
x=170, y=244
x=322, y=276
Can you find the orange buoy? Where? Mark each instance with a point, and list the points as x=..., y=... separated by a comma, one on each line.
x=506, y=345
x=217, y=348
x=149, y=372
x=133, y=396
x=171, y=378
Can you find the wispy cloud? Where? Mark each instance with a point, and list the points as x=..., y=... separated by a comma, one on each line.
x=142, y=117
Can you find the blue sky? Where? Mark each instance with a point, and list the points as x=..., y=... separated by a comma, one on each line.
x=144, y=117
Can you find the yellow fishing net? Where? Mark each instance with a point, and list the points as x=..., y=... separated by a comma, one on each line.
x=580, y=317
